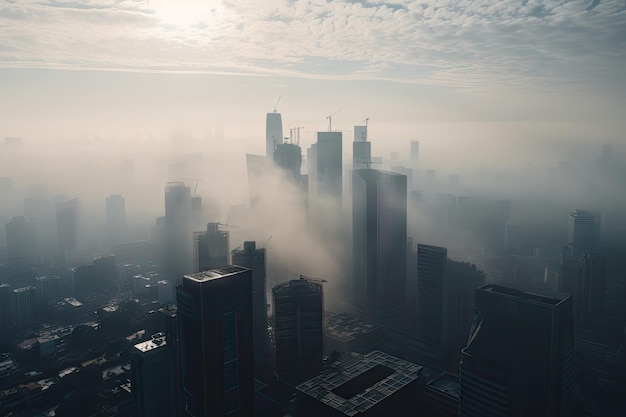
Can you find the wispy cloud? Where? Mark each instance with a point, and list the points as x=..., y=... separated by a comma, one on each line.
x=455, y=43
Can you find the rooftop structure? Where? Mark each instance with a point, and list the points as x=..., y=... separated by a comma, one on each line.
x=357, y=384
x=346, y=333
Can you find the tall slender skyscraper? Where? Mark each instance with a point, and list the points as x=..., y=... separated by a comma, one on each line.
x=593, y=285
x=273, y=133
x=216, y=332
x=583, y=228
x=519, y=360
x=361, y=149
x=68, y=227
x=329, y=165
x=298, y=327
x=178, y=256
x=379, y=230
x=254, y=259
x=432, y=296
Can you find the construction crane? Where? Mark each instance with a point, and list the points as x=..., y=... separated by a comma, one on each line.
x=305, y=277
x=330, y=120
x=366, y=120
x=227, y=225
x=195, y=188
x=294, y=134
x=276, y=105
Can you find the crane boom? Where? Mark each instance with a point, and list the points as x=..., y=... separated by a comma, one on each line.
x=330, y=120
x=276, y=105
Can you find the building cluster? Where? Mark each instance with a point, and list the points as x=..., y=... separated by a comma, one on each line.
x=180, y=324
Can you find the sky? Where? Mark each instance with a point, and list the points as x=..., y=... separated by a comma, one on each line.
x=123, y=69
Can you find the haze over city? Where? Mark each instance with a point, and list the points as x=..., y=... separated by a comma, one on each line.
x=404, y=164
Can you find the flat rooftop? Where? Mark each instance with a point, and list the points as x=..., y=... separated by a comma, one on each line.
x=446, y=383
x=551, y=299
x=215, y=273
x=345, y=328
x=366, y=379
x=157, y=341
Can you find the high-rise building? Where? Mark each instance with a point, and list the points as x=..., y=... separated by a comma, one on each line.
x=519, y=360
x=273, y=133
x=100, y=275
x=361, y=149
x=68, y=227
x=298, y=312
x=433, y=297
x=23, y=307
x=593, y=285
x=48, y=290
x=379, y=227
x=216, y=332
x=254, y=259
x=178, y=256
x=288, y=156
x=151, y=379
x=583, y=230
x=210, y=248
x=21, y=241
x=329, y=165
x=415, y=153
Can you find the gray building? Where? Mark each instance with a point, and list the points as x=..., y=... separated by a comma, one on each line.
x=273, y=133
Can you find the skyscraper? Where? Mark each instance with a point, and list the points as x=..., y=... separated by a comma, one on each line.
x=273, y=133
x=361, y=149
x=583, y=230
x=178, y=256
x=379, y=230
x=21, y=241
x=593, y=285
x=215, y=322
x=210, y=248
x=68, y=227
x=254, y=259
x=519, y=360
x=329, y=165
x=432, y=297
x=415, y=153
x=151, y=379
x=298, y=327
x=23, y=307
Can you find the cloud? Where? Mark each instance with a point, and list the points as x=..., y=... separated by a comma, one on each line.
x=454, y=43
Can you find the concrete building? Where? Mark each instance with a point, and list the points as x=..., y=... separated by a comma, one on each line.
x=519, y=360
x=370, y=385
x=48, y=290
x=329, y=165
x=273, y=133
x=298, y=314
x=115, y=221
x=68, y=224
x=441, y=396
x=178, y=256
x=379, y=236
x=23, y=307
x=254, y=259
x=346, y=333
x=583, y=230
x=151, y=380
x=216, y=342
x=21, y=235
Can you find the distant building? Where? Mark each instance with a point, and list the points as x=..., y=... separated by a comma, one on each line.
x=372, y=385
x=68, y=228
x=273, y=133
x=5, y=304
x=254, y=259
x=21, y=241
x=298, y=314
x=583, y=230
x=151, y=379
x=216, y=331
x=379, y=227
x=346, y=333
x=519, y=360
x=115, y=218
x=178, y=256
x=210, y=248
x=48, y=290
x=99, y=276
x=593, y=285
x=329, y=165
x=415, y=152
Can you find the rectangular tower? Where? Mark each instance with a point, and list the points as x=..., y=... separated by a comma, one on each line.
x=215, y=322
x=329, y=165
x=379, y=228
x=519, y=360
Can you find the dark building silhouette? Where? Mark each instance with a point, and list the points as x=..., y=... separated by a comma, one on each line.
x=379, y=227
x=21, y=241
x=519, y=360
x=216, y=333
x=210, y=248
x=298, y=312
x=254, y=259
x=583, y=228
x=23, y=307
x=593, y=285
x=99, y=276
x=288, y=156
x=178, y=245
x=151, y=379
x=441, y=396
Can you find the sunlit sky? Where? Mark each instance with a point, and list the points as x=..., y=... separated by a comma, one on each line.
x=127, y=67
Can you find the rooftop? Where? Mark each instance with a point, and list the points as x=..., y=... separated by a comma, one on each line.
x=157, y=341
x=446, y=383
x=346, y=328
x=367, y=379
x=215, y=273
x=552, y=299
x=297, y=286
